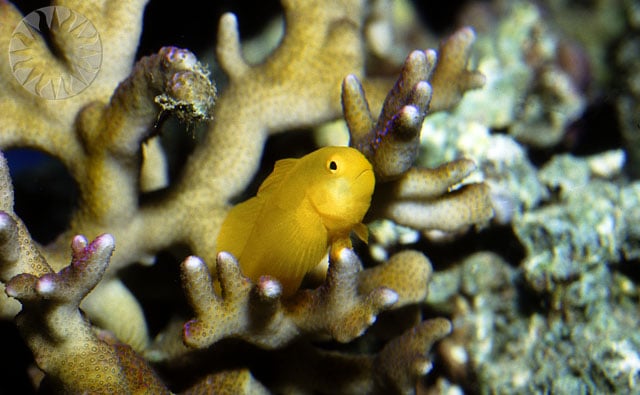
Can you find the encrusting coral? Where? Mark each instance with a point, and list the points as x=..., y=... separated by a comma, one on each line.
x=105, y=136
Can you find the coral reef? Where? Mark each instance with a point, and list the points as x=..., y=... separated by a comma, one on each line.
x=555, y=309
x=87, y=330
x=504, y=226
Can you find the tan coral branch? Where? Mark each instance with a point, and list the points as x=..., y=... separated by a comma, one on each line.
x=391, y=143
x=422, y=183
x=404, y=359
x=451, y=79
x=469, y=205
x=62, y=339
x=408, y=273
x=241, y=310
x=337, y=309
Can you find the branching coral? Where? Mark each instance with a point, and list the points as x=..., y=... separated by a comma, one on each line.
x=65, y=346
x=335, y=310
x=105, y=136
x=419, y=197
x=64, y=343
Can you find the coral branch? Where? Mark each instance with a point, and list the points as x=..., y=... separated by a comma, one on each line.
x=407, y=273
x=355, y=108
x=171, y=80
x=119, y=40
x=451, y=79
x=337, y=308
x=426, y=199
x=413, y=186
x=9, y=247
x=228, y=49
x=241, y=311
x=18, y=252
x=392, y=144
x=52, y=131
x=403, y=360
x=62, y=340
x=228, y=382
x=395, y=369
x=71, y=284
x=415, y=197
x=469, y=205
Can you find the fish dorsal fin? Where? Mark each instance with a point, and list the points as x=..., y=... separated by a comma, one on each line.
x=281, y=171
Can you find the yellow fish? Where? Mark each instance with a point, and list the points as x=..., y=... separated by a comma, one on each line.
x=305, y=206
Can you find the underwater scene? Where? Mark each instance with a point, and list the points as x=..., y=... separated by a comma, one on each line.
x=320, y=197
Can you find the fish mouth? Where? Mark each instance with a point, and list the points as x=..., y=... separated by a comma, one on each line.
x=364, y=183
x=363, y=172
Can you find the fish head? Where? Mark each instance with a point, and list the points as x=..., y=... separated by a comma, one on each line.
x=340, y=187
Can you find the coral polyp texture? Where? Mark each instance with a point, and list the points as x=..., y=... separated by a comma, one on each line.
x=494, y=236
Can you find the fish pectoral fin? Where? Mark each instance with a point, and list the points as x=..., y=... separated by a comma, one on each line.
x=362, y=232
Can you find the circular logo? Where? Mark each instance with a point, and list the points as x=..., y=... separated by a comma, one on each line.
x=55, y=52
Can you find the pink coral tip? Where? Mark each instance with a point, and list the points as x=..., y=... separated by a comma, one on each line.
x=79, y=243
x=106, y=240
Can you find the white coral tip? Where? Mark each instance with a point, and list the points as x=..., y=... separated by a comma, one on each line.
x=423, y=367
x=389, y=297
x=346, y=255
x=193, y=263
x=270, y=287
x=225, y=256
x=106, y=240
x=46, y=285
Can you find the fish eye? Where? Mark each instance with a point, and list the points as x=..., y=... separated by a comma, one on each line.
x=332, y=165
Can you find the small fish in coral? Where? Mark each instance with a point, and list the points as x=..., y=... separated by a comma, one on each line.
x=304, y=207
